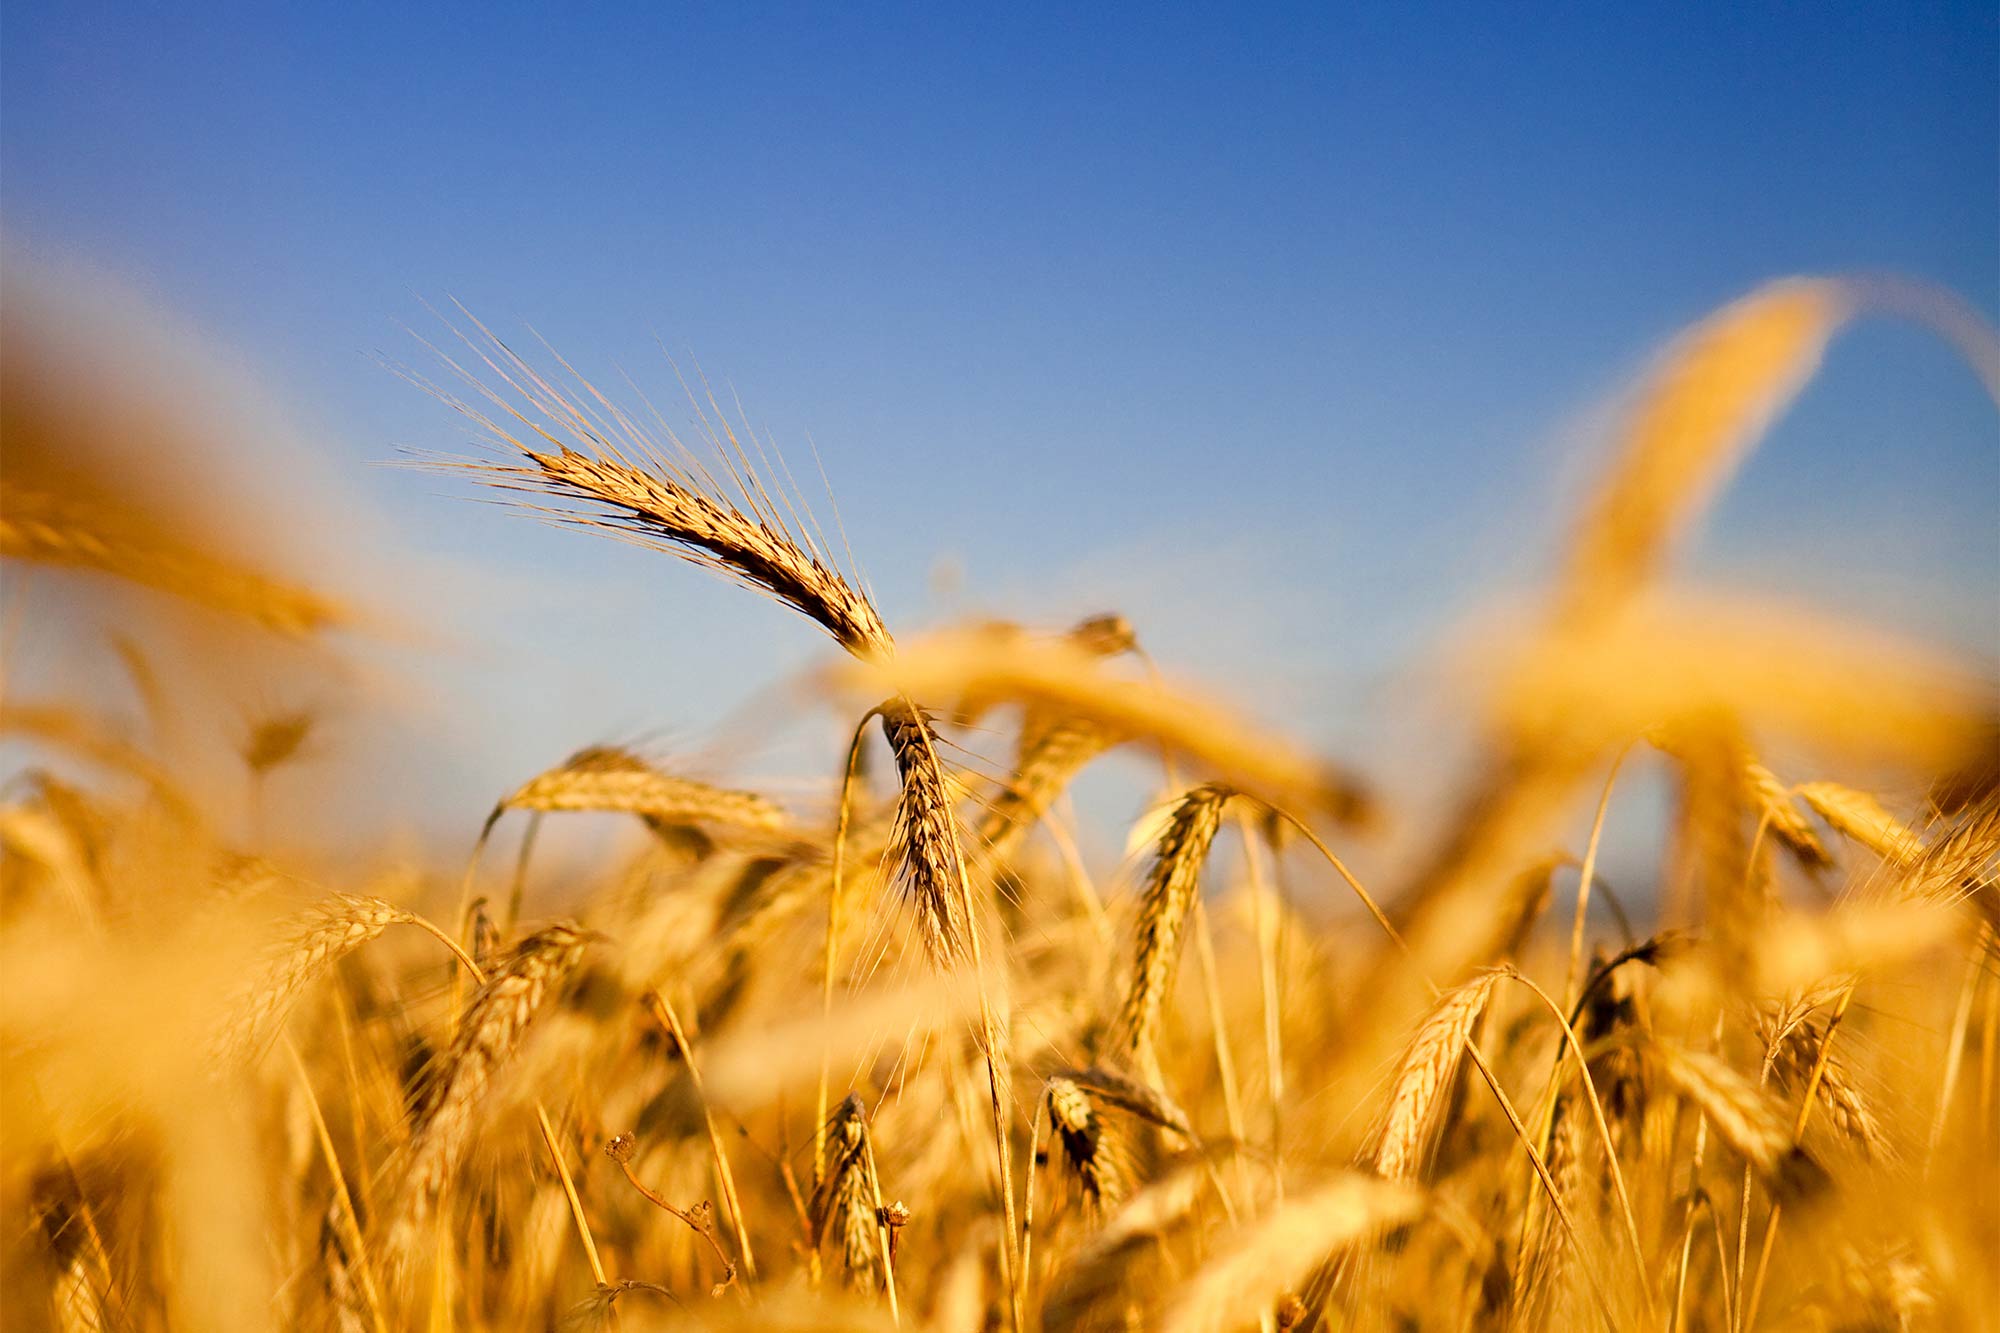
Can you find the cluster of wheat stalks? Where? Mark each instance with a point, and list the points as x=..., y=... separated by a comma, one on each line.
x=899, y=1057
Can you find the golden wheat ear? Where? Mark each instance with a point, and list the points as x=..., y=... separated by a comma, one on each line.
x=612, y=779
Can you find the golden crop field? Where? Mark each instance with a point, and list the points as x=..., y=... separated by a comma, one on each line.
x=884, y=1049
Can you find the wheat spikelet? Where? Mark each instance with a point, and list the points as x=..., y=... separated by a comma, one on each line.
x=673, y=513
x=1962, y=864
x=50, y=529
x=1164, y=904
x=330, y=930
x=925, y=842
x=844, y=1206
x=343, y=1288
x=1265, y=1260
x=1793, y=1051
x=1081, y=1140
x=490, y=1031
x=1860, y=818
x=1132, y=1097
x=677, y=507
x=1783, y=818
x=625, y=482
x=1421, y=1092
x=608, y=778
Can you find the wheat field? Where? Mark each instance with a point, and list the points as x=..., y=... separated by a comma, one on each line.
x=885, y=1049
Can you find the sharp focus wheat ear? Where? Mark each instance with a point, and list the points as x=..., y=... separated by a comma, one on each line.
x=926, y=842
x=330, y=931
x=1169, y=895
x=676, y=507
x=1266, y=1260
x=655, y=500
x=607, y=778
x=1422, y=1090
x=490, y=1032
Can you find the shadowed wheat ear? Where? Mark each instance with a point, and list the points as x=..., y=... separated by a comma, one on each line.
x=488, y=1035
x=1081, y=1140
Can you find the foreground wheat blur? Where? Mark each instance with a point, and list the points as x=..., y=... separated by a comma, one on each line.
x=890, y=1058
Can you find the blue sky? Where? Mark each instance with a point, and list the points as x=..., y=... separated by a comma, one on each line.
x=1280, y=328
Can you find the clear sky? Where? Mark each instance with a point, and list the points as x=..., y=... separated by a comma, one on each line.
x=1281, y=329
